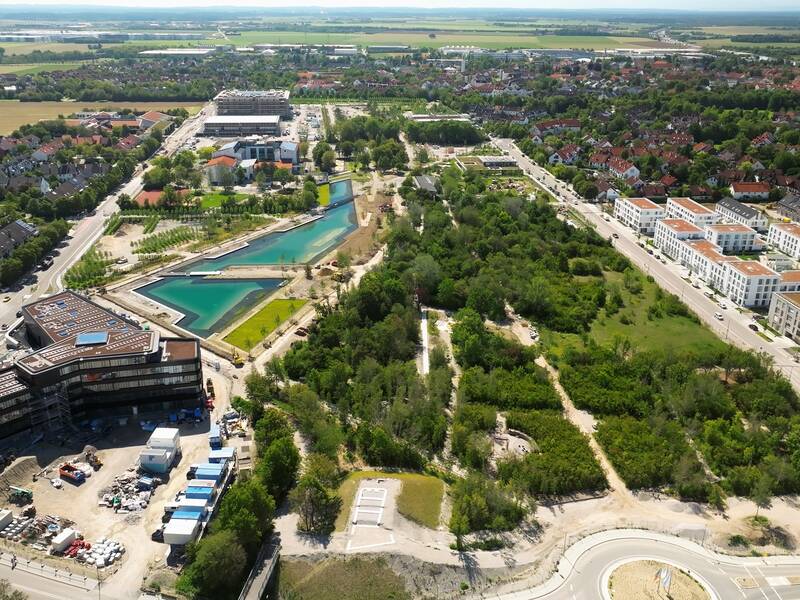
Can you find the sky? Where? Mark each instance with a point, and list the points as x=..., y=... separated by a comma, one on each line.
x=722, y=5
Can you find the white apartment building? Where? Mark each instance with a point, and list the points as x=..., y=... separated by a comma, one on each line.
x=732, y=238
x=640, y=214
x=670, y=233
x=689, y=210
x=733, y=211
x=786, y=238
x=790, y=281
x=705, y=260
x=749, y=283
x=784, y=313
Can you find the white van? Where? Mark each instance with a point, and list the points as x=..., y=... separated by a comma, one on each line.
x=718, y=316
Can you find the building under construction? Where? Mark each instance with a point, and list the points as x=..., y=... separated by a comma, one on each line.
x=86, y=362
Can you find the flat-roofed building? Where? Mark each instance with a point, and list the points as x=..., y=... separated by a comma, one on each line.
x=733, y=211
x=732, y=238
x=705, y=260
x=670, y=233
x=786, y=238
x=254, y=102
x=640, y=214
x=93, y=362
x=234, y=126
x=784, y=313
x=749, y=283
x=691, y=211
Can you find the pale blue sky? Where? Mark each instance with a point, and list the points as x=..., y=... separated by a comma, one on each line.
x=724, y=5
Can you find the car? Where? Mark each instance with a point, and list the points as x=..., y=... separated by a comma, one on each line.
x=753, y=326
x=718, y=316
x=615, y=235
x=7, y=299
x=723, y=306
x=4, y=326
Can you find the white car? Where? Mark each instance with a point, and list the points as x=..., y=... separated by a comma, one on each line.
x=718, y=316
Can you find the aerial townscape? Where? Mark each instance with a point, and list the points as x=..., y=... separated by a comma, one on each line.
x=399, y=300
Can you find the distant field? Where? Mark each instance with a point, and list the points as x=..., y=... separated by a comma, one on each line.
x=34, y=68
x=745, y=30
x=14, y=48
x=723, y=42
x=14, y=113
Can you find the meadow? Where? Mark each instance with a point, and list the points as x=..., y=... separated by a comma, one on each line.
x=247, y=335
x=34, y=68
x=13, y=113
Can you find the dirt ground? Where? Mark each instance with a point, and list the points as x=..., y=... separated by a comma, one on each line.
x=636, y=581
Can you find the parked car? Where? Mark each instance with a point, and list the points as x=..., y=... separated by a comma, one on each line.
x=753, y=326
x=718, y=316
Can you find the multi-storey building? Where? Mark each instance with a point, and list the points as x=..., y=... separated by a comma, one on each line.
x=749, y=283
x=236, y=126
x=689, y=210
x=92, y=362
x=733, y=211
x=705, y=260
x=784, y=313
x=670, y=233
x=254, y=102
x=786, y=238
x=732, y=238
x=640, y=214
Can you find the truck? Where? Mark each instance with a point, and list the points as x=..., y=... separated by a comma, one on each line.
x=71, y=473
x=19, y=495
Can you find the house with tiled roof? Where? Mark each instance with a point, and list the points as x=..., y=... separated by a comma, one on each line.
x=751, y=190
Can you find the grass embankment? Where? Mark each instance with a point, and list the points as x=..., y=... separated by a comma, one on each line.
x=264, y=322
x=420, y=498
x=632, y=323
x=336, y=578
x=324, y=194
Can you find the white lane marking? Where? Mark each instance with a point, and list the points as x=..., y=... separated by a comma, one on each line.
x=771, y=588
x=750, y=573
x=350, y=546
x=777, y=581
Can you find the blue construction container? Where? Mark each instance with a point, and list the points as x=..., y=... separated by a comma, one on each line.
x=214, y=437
x=206, y=493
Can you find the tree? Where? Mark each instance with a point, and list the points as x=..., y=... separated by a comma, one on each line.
x=247, y=510
x=270, y=427
x=227, y=181
x=278, y=466
x=6, y=591
x=216, y=566
x=317, y=505
x=762, y=492
x=328, y=161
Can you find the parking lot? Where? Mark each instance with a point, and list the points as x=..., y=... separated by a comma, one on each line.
x=372, y=516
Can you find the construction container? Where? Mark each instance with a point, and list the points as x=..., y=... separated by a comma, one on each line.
x=205, y=493
x=157, y=460
x=222, y=455
x=6, y=516
x=179, y=532
x=189, y=512
x=214, y=437
x=71, y=473
x=62, y=540
x=165, y=437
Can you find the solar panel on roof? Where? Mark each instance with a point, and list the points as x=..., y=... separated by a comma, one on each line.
x=91, y=338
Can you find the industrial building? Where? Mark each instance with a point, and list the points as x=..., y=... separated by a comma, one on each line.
x=88, y=362
x=254, y=102
x=233, y=126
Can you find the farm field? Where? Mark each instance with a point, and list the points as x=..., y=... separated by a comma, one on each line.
x=34, y=68
x=16, y=48
x=14, y=113
x=261, y=324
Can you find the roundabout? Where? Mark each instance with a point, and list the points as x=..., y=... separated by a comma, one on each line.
x=645, y=579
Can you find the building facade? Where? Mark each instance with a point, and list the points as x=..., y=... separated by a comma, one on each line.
x=91, y=362
x=254, y=102
x=786, y=238
x=734, y=238
x=733, y=211
x=784, y=313
x=233, y=126
x=749, y=283
x=640, y=214
x=689, y=210
x=670, y=233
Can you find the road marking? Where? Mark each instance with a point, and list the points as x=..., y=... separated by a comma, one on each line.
x=750, y=573
x=771, y=588
x=366, y=546
x=777, y=581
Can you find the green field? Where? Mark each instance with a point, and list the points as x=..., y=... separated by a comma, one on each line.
x=264, y=322
x=672, y=332
x=34, y=68
x=16, y=48
x=420, y=498
x=324, y=194
x=14, y=113
x=215, y=199
x=340, y=579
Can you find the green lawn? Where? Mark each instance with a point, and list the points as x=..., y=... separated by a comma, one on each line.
x=420, y=498
x=264, y=322
x=324, y=194
x=340, y=579
x=674, y=332
x=215, y=199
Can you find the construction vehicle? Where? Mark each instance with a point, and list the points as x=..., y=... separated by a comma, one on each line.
x=210, y=388
x=90, y=457
x=237, y=360
x=71, y=473
x=19, y=495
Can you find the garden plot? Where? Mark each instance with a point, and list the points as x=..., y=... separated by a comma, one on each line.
x=372, y=516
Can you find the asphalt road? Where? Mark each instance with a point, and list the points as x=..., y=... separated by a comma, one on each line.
x=87, y=231
x=734, y=327
x=583, y=577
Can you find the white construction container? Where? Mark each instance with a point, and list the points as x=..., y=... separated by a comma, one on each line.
x=179, y=532
x=157, y=460
x=62, y=540
x=6, y=516
x=165, y=437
